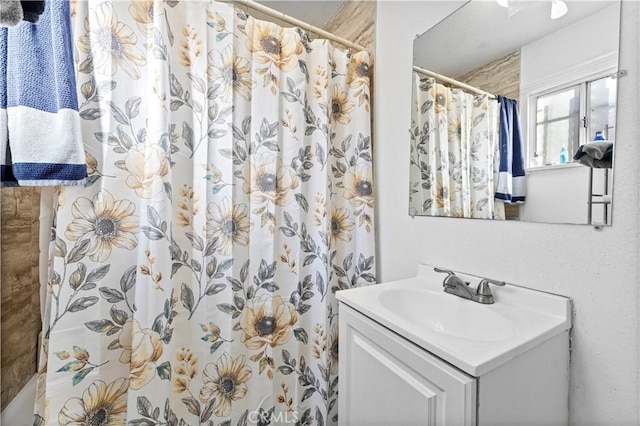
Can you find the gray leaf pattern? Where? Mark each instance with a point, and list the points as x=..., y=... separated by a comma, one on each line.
x=454, y=152
x=230, y=195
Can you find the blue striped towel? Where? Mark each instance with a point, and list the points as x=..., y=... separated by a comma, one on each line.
x=40, y=140
x=511, y=184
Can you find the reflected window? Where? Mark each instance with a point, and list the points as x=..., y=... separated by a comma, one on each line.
x=602, y=108
x=557, y=125
x=570, y=117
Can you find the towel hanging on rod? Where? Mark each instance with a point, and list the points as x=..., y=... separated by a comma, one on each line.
x=511, y=185
x=40, y=139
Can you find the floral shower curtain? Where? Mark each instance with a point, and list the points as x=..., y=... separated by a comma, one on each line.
x=454, y=152
x=230, y=195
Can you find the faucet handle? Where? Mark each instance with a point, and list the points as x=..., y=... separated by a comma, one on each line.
x=484, y=289
x=445, y=271
x=447, y=280
x=494, y=282
x=451, y=280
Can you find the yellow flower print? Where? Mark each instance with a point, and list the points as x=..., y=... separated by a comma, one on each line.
x=105, y=223
x=320, y=83
x=341, y=225
x=267, y=321
x=185, y=370
x=320, y=209
x=147, y=269
x=333, y=351
x=443, y=194
x=231, y=72
x=272, y=44
x=147, y=166
x=340, y=106
x=441, y=98
x=229, y=223
x=101, y=404
x=92, y=163
x=358, y=73
x=285, y=399
x=267, y=179
x=156, y=88
x=288, y=259
x=188, y=207
x=455, y=129
x=142, y=348
x=191, y=46
x=216, y=21
x=358, y=187
x=326, y=347
x=481, y=101
x=319, y=342
x=111, y=43
x=226, y=382
x=80, y=354
x=142, y=12
x=214, y=174
x=213, y=332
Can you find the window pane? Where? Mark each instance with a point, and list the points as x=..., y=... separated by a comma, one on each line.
x=602, y=108
x=558, y=124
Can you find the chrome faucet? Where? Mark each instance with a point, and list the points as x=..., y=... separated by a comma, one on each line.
x=453, y=284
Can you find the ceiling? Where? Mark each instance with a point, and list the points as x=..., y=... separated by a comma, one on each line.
x=482, y=31
x=314, y=12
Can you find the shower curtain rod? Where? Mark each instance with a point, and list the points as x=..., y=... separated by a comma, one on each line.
x=452, y=81
x=294, y=21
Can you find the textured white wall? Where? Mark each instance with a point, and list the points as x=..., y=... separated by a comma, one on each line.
x=599, y=270
x=568, y=51
x=543, y=65
x=559, y=195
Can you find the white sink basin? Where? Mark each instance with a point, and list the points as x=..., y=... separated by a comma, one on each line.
x=453, y=316
x=474, y=337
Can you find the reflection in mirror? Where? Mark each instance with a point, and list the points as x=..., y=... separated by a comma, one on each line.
x=516, y=123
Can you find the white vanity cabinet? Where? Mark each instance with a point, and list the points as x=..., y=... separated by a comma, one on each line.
x=394, y=372
x=387, y=380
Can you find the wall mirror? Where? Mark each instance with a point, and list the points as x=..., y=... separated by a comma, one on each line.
x=513, y=112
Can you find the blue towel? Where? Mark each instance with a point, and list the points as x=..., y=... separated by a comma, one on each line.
x=40, y=139
x=511, y=185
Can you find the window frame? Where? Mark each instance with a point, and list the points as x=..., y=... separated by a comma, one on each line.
x=582, y=109
x=589, y=129
x=579, y=75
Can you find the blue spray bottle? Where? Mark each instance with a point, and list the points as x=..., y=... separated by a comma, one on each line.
x=564, y=155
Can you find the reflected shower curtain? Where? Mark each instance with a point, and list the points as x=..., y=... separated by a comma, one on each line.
x=230, y=195
x=454, y=152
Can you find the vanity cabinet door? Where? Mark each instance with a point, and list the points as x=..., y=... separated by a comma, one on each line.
x=386, y=380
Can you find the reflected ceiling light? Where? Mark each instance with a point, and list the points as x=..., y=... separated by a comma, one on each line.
x=503, y=3
x=558, y=9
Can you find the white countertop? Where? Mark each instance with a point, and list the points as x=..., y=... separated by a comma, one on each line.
x=519, y=319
